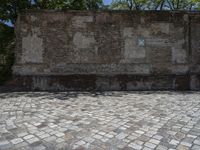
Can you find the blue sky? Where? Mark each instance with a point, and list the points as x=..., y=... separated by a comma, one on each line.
x=107, y=1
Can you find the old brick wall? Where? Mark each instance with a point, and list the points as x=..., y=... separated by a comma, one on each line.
x=110, y=50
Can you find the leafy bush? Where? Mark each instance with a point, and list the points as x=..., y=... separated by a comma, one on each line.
x=6, y=52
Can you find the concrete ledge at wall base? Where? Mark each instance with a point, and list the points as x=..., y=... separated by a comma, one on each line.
x=102, y=83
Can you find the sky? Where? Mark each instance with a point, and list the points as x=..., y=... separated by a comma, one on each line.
x=107, y=1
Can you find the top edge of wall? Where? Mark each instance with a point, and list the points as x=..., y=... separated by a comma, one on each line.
x=109, y=11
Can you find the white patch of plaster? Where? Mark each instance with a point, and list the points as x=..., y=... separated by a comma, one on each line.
x=138, y=69
x=24, y=70
x=24, y=28
x=179, y=69
x=33, y=18
x=185, y=17
x=132, y=50
x=81, y=41
x=143, y=31
x=128, y=32
x=160, y=27
x=158, y=42
x=142, y=20
x=178, y=55
x=80, y=21
x=179, y=43
x=32, y=48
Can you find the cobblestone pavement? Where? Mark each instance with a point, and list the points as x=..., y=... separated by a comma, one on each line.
x=100, y=121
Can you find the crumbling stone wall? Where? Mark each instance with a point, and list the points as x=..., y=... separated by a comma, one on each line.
x=110, y=50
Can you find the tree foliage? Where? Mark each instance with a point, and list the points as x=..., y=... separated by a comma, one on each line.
x=10, y=8
x=6, y=51
x=156, y=4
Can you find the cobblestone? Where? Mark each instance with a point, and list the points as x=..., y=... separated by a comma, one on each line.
x=150, y=145
x=100, y=121
x=4, y=144
x=16, y=141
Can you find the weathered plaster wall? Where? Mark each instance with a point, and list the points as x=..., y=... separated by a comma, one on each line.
x=108, y=50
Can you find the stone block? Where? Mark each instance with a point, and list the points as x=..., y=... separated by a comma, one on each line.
x=32, y=47
x=154, y=50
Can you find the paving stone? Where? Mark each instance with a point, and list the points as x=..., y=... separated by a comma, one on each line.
x=179, y=136
x=104, y=140
x=17, y=141
x=101, y=133
x=130, y=137
x=174, y=142
x=186, y=144
x=197, y=142
x=109, y=135
x=158, y=137
x=40, y=147
x=32, y=140
x=22, y=134
x=161, y=147
x=150, y=145
x=28, y=137
x=182, y=147
x=59, y=134
x=121, y=136
x=5, y=145
x=191, y=136
x=154, y=141
x=140, y=132
x=98, y=136
x=44, y=135
x=59, y=140
x=146, y=148
x=188, y=140
x=195, y=147
x=80, y=143
x=20, y=145
x=139, y=142
x=50, y=139
x=135, y=146
x=126, y=140
x=118, y=120
x=89, y=139
x=144, y=138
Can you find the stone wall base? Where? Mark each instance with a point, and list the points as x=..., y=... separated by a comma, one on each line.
x=102, y=82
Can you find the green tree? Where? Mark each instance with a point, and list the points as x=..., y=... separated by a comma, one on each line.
x=183, y=4
x=6, y=51
x=93, y=4
x=156, y=4
x=119, y=5
x=129, y=4
x=59, y=4
x=10, y=8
